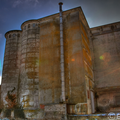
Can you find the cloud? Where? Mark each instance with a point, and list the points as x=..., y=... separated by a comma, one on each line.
x=16, y=3
x=30, y=2
x=36, y=2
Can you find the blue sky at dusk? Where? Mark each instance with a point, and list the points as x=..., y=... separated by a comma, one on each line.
x=14, y=12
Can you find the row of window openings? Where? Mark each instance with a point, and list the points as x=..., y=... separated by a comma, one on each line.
x=24, y=29
x=33, y=25
x=14, y=35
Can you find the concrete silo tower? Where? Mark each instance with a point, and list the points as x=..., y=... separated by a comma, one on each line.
x=29, y=65
x=11, y=63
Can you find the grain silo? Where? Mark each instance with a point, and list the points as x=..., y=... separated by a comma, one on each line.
x=54, y=65
x=11, y=67
x=29, y=66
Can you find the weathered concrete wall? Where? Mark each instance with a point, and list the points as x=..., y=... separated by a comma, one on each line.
x=106, y=52
x=50, y=58
x=74, y=69
x=49, y=68
x=108, y=100
x=106, y=58
x=55, y=112
x=78, y=64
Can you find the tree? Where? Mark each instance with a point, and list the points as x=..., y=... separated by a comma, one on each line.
x=11, y=99
x=12, y=104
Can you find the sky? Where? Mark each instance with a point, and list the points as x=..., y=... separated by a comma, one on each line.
x=14, y=12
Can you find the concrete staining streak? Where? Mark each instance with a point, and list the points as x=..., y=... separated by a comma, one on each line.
x=62, y=56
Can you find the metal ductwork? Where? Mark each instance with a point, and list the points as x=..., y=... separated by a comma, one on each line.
x=62, y=55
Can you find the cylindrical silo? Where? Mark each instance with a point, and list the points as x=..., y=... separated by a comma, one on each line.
x=29, y=80
x=10, y=75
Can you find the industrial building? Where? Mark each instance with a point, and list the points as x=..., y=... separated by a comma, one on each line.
x=60, y=63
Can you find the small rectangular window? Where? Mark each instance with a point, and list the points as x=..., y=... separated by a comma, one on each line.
x=14, y=35
x=9, y=36
x=28, y=25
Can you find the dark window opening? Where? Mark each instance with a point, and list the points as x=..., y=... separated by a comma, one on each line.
x=18, y=35
x=112, y=27
x=13, y=35
x=28, y=25
x=9, y=36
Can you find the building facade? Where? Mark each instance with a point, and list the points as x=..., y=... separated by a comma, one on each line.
x=77, y=76
x=106, y=52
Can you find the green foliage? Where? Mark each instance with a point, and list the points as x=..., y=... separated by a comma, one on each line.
x=11, y=99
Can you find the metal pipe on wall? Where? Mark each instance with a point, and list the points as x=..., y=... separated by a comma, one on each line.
x=62, y=55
